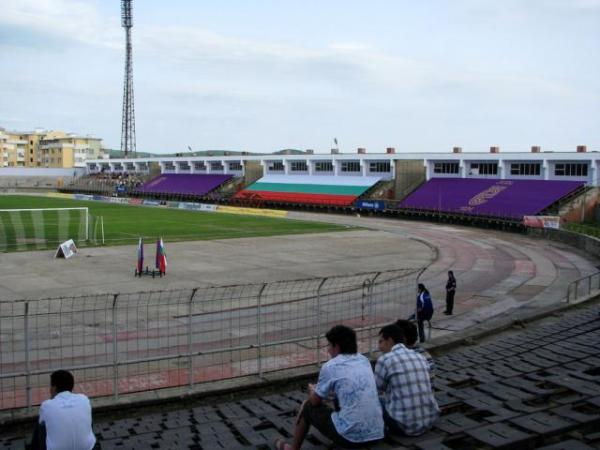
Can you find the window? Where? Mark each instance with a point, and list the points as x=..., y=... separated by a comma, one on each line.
x=525, y=169
x=350, y=166
x=571, y=169
x=380, y=167
x=298, y=166
x=445, y=167
x=275, y=166
x=235, y=165
x=323, y=166
x=484, y=169
x=199, y=166
x=216, y=166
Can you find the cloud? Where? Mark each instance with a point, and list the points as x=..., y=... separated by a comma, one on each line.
x=75, y=21
x=244, y=61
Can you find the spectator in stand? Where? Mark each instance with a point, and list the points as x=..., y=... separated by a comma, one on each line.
x=65, y=420
x=411, y=336
x=402, y=376
x=357, y=418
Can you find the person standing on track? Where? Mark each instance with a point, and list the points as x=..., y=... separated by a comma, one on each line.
x=424, y=309
x=450, y=291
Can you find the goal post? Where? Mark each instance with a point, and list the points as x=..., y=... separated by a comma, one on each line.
x=38, y=228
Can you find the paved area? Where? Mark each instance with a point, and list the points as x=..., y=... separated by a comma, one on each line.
x=537, y=387
x=490, y=265
x=210, y=263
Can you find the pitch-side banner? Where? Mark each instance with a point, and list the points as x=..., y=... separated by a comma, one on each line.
x=251, y=211
x=542, y=221
x=197, y=206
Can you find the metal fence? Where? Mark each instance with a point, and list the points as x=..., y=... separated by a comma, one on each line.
x=583, y=287
x=116, y=344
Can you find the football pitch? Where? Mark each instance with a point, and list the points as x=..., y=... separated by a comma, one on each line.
x=118, y=224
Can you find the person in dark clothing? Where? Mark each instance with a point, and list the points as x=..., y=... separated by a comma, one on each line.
x=450, y=291
x=424, y=309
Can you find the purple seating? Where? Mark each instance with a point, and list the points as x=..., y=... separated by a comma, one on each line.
x=190, y=184
x=490, y=197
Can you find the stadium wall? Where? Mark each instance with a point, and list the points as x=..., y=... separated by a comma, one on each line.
x=252, y=172
x=40, y=172
x=410, y=174
x=36, y=179
x=581, y=208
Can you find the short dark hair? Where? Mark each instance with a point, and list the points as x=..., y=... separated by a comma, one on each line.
x=409, y=330
x=62, y=380
x=343, y=336
x=393, y=331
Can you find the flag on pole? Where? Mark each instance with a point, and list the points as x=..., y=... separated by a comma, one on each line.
x=335, y=141
x=140, y=256
x=161, y=256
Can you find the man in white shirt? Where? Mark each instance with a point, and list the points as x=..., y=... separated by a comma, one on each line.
x=356, y=420
x=67, y=417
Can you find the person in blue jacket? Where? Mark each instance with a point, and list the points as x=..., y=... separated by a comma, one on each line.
x=424, y=309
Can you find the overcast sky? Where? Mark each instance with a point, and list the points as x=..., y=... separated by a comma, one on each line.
x=262, y=75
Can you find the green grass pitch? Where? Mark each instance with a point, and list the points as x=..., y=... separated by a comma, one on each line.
x=124, y=224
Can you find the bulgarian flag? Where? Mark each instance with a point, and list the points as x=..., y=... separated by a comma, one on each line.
x=140, y=256
x=161, y=256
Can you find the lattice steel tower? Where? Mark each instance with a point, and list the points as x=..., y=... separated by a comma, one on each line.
x=128, y=120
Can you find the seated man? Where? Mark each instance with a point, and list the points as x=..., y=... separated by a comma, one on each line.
x=357, y=418
x=67, y=417
x=411, y=336
x=402, y=375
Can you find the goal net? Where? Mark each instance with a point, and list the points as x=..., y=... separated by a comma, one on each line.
x=35, y=229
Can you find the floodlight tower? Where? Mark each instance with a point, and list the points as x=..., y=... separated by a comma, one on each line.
x=128, y=119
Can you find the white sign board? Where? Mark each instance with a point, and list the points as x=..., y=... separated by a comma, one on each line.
x=66, y=249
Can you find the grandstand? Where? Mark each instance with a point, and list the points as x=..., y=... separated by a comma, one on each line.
x=311, y=190
x=188, y=186
x=509, y=199
x=185, y=184
x=388, y=183
x=108, y=183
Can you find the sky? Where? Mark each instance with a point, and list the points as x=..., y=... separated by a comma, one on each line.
x=264, y=75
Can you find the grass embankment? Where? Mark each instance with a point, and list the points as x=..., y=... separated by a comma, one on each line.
x=590, y=229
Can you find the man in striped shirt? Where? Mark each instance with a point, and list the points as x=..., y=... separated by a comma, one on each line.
x=402, y=376
x=411, y=336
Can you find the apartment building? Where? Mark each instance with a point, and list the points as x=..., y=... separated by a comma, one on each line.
x=63, y=150
x=3, y=148
x=15, y=149
x=41, y=148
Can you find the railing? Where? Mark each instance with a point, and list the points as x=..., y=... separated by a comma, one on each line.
x=583, y=287
x=118, y=344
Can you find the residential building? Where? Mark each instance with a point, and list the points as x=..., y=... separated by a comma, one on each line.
x=59, y=149
x=41, y=148
x=3, y=148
